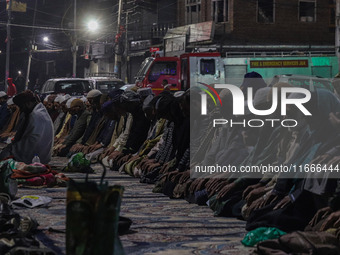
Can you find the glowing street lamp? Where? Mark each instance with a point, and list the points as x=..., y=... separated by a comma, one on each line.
x=45, y=39
x=93, y=25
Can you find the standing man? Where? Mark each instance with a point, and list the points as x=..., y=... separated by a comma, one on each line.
x=12, y=90
x=20, y=83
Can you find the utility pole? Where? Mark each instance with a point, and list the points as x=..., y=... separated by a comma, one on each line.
x=29, y=65
x=127, y=58
x=8, y=43
x=117, y=64
x=31, y=47
x=337, y=31
x=74, y=41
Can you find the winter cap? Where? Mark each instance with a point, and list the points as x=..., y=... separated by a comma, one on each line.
x=115, y=95
x=68, y=103
x=59, y=99
x=66, y=97
x=24, y=97
x=77, y=102
x=93, y=93
x=3, y=94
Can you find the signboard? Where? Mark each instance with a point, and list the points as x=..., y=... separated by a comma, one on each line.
x=98, y=49
x=278, y=63
x=175, y=41
x=154, y=49
x=201, y=32
x=17, y=6
x=177, y=38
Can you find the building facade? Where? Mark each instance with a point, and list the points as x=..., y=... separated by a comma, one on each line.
x=229, y=26
x=263, y=22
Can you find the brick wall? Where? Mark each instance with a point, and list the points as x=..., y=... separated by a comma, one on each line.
x=243, y=27
x=286, y=29
x=181, y=13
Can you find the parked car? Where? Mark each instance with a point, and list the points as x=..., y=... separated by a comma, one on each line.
x=106, y=84
x=303, y=81
x=71, y=86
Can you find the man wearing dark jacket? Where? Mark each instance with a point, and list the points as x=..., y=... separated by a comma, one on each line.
x=131, y=102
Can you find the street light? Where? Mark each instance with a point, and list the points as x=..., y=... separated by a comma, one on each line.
x=92, y=25
x=45, y=39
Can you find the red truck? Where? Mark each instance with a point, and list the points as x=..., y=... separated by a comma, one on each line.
x=181, y=72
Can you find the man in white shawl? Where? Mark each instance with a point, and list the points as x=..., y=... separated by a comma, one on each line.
x=35, y=131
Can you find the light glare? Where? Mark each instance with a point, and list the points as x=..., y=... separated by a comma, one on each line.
x=92, y=25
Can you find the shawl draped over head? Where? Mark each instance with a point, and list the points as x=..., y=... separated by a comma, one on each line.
x=252, y=80
x=23, y=98
x=115, y=95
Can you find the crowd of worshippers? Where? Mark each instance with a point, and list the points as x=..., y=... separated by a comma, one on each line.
x=148, y=137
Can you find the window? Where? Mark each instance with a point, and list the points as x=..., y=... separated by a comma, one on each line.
x=107, y=86
x=307, y=10
x=144, y=67
x=208, y=66
x=220, y=10
x=72, y=87
x=162, y=68
x=265, y=11
x=193, y=11
x=48, y=87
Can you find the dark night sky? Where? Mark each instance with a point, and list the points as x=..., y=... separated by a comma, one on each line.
x=51, y=13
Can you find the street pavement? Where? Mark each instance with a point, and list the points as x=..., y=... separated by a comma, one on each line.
x=160, y=225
